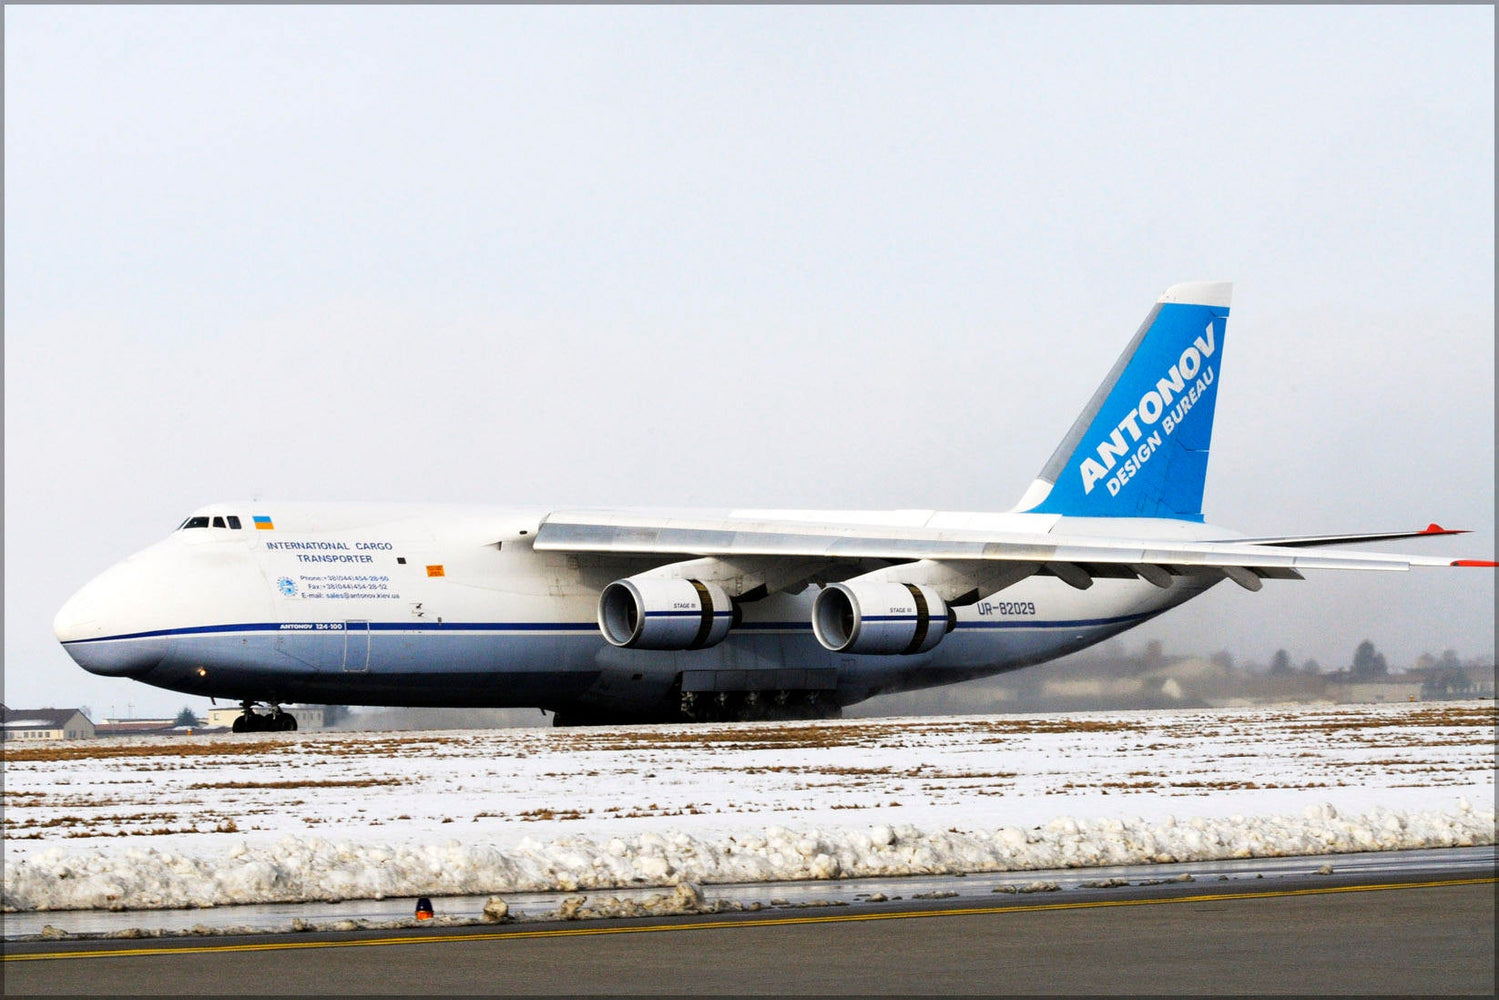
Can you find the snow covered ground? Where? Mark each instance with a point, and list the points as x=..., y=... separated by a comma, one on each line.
x=208, y=821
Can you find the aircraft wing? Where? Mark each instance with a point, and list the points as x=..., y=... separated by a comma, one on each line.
x=1076, y=559
x=1302, y=541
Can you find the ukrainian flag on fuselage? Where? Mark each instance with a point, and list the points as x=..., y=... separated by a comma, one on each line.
x=263, y=523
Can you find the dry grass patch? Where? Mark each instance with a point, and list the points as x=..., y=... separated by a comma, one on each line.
x=1215, y=785
x=754, y=736
x=1446, y=717
x=537, y=815
x=187, y=747
x=294, y=783
x=740, y=737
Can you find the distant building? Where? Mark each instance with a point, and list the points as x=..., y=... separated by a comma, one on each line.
x=45, y=724
x=136, y=727
x=1390, y=689
x=1442, y=682
x=307, y=716
x=1092, y=688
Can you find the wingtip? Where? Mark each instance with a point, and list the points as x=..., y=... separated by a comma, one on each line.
x=1436, y=529
x=1486, y=563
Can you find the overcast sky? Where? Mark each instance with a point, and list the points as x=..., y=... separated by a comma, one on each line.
x=741, y=256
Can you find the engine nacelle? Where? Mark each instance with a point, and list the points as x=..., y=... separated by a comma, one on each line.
x=659, y=613
x=880, y=618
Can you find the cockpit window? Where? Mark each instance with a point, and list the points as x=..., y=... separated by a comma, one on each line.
x=199, y=521
x=218, y=522
x=234, y=521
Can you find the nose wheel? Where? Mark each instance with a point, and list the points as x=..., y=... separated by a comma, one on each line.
x=274, y=721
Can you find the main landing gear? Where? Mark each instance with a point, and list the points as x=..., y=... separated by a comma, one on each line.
x=756, y=706
x=710, y=706
x=276, y=721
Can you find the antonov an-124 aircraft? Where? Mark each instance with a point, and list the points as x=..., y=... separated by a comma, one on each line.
x=636, y=615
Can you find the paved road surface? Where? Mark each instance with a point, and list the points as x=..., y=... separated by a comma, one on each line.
x=1302, y=936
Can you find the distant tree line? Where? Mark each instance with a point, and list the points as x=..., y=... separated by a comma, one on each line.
x=1368, y=662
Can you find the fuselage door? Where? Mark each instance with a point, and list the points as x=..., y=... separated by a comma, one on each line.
x=356, y=646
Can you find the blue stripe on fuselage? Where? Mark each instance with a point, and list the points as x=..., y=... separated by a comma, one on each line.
x=278, y=628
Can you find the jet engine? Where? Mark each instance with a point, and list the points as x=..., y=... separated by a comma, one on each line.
x=880, y=618
x=659, y=613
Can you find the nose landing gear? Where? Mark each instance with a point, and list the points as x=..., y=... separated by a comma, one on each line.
x=275, y=721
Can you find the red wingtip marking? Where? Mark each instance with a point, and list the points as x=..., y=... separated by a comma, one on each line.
x=1437, y=529
x=1474, y=562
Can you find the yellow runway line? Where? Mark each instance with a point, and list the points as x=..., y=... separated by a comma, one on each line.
x=728, y=924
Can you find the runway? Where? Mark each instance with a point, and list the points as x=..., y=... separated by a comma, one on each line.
x=1328, y=929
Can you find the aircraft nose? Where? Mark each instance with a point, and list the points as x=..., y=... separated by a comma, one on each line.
x=77, y=619
x=94, y=627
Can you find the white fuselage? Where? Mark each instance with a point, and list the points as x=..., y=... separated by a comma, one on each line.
x=453, y=606
x=633, y=614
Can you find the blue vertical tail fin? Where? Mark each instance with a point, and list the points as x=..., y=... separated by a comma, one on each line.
x=1140, y=447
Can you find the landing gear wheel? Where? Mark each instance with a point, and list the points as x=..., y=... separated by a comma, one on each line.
x=276, y=721
x=249, y=721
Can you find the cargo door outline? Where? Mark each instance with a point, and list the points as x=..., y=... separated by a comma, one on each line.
x=356, y=647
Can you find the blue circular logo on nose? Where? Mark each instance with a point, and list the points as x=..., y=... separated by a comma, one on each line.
x=287, y=586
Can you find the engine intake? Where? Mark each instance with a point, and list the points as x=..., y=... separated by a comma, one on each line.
x=651, y=613
x=880, y=618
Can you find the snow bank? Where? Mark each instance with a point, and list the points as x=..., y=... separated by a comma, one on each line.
x=202, y=821
x=298, y=868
